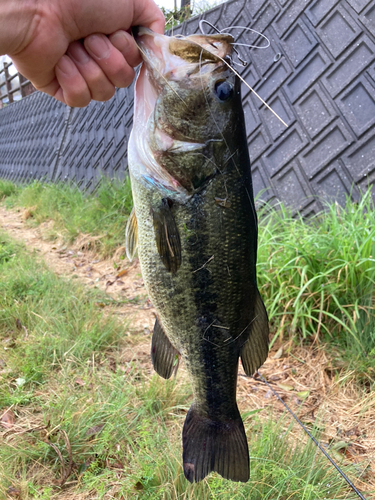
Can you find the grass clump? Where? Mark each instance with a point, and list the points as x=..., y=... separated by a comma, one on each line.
x=317, y=276
x=88, y=417
x=7, y=188
x=102, y=215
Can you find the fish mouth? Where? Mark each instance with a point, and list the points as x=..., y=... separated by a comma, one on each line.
x=155, y=54
x=154, y=49
x=175, y=58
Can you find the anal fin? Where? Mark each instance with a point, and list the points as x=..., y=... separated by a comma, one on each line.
x=255, y=351
x=167, y=237
x=131, y=235
x=164, y=356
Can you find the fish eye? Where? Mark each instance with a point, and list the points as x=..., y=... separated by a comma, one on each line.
x=223, y=90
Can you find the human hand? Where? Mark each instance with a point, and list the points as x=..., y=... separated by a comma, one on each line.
x=62, y=48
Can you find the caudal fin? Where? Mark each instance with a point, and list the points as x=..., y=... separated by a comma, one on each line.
x=214, y=446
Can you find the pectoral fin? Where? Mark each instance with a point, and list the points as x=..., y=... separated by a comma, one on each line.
x=255, y=351
x=167, y=237
x=165, y=357
x=131, y=235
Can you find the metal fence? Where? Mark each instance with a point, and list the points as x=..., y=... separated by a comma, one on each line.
x=13, y=85
x=318, y=74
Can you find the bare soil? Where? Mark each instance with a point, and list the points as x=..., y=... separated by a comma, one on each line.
x=304, y=377
x=121, y=280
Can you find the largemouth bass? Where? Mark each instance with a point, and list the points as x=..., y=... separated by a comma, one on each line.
x=195, y=225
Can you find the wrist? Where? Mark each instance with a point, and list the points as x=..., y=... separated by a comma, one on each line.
x=18, y=21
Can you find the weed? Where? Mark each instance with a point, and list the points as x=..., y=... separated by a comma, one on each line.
x=174, y=17
x=317, y=276
x=7, y=188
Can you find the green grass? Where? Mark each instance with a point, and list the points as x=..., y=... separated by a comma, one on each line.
x=63, y=371
x=44, y=318
x=7, y=188
x=318, y=276
x=74, y=212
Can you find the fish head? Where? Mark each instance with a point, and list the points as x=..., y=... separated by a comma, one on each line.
x=187, y=97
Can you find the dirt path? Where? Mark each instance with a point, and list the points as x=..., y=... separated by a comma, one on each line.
x=304, y=377
x=121, y=280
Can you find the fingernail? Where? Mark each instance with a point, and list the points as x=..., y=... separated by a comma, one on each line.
x=78, y=53
x=120, y=41
x=66, y=66
x=98, y=46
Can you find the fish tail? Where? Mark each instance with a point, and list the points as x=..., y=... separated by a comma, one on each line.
x=210, y=445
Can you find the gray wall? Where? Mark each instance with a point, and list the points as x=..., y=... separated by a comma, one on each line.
x=318, y=75
x=42, y=138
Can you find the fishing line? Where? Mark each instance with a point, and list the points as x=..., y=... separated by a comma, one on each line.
x=312, y=437
x=248, y=45
x=222, y=135
x=224, y=61
x=244, y=63
x=242, y=80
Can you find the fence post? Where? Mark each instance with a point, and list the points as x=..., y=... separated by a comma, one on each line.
x=22, y=79
x=8, y=84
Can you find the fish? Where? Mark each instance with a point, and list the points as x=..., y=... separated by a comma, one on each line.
x=194, y=225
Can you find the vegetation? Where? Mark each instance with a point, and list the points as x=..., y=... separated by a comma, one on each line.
x=317, y=277
x=83, y=416
x=74, y=212
x=176, y=16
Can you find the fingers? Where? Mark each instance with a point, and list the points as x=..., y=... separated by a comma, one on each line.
x=100, y=87
x=92, y=70
x=85, y=17
x=124, y=43
x=73, y=88
x=76, y=72
x=111, y=61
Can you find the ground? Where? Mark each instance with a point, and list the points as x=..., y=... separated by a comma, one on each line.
x=304, y=377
